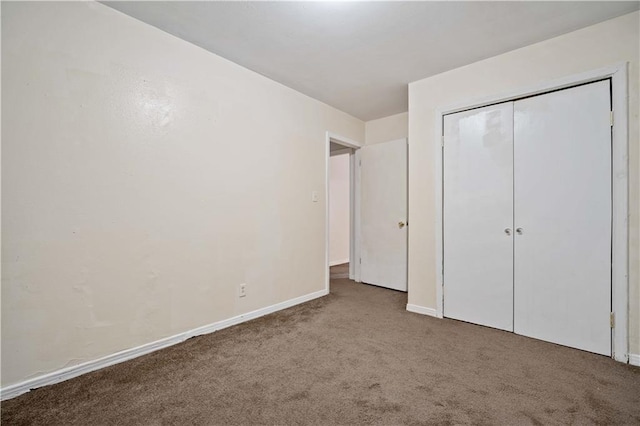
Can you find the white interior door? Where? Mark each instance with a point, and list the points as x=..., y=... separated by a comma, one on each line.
x=383, y=214
x=478, y=216
x=562, y=163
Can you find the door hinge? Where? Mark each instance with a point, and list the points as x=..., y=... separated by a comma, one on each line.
x=611, y=118
x=612, y=320
x=360, y=163
x=442, y=141
x=361, y=261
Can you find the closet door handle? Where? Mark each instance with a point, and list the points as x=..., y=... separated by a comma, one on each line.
x=519, y=231
x=507, y=231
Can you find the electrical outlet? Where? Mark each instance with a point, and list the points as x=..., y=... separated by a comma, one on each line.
x=242, y=290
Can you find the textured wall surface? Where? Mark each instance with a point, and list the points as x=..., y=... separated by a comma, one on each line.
x=143, y=180
x=339, y=211
x=387, y=129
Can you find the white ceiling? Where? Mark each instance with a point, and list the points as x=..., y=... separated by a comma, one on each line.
x=359, y=56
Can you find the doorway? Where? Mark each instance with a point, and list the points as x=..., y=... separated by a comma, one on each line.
x=617, y=76
x=377, y=211
x=527, y=208
x=339, y=210
x=342, y=209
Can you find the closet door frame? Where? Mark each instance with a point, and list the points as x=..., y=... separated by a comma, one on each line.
x=619, y=231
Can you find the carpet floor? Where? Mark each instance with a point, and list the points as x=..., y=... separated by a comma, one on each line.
x=355, y=356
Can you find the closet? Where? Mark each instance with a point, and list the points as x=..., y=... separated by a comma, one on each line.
x=527, y=216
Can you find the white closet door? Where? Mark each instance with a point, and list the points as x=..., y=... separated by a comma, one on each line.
x=478, y=216
x=383, y=214
x=562, y=162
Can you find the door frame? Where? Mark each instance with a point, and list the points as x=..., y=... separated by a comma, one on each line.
x=620, y=207
x=354, y=204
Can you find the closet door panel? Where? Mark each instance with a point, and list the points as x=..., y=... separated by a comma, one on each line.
x=562, y=258
x=478, y=216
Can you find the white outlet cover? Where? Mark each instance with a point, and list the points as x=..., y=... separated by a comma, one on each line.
x=314, y=196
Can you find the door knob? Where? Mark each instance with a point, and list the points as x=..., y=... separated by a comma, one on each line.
x=507, y=231
x=519, y=231
x=401, y=224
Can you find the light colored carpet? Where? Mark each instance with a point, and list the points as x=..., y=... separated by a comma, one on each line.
x=353, y=357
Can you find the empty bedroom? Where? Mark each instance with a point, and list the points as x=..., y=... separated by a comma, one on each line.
x=320, y=212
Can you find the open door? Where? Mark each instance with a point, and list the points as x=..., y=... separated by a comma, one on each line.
x=383, y=214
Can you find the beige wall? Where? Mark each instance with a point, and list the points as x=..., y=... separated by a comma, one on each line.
x=143, y=180
x=339, y=211
x=594, y=47
x=386, y=129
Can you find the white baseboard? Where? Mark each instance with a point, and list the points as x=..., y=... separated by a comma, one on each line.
x=338, y=262
x=421, y=310
x=74, y=371
x=634, y=359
